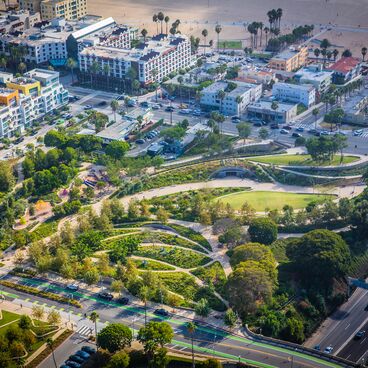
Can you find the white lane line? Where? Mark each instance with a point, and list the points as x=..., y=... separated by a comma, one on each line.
x=347, y=326
x=363, y=341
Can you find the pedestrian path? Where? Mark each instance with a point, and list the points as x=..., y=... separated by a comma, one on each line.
x=84, y=331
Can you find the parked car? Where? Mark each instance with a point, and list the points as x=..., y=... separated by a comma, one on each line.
x=296, y=135
x=144, y=104
x=257, y=124
x=358, y=132
x=274, y=126
x=329, y=349
x=325, y=132
x=170, y=109
x=299, y=129
x=89, y=349
x=287, y=127
x=161, y=312
x=155, y=107
x=317, y=347
x=105, y=295
x=123, y=301
x=72, y=364
x=284, y=131
x=235, y=117
x=312, y=131
x=87, y=107
x=140, y=141
x=77, y=359
x=83, y=354
x=359, y=335
x=72, y=287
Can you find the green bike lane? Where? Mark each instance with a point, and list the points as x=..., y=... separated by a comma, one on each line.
x=221, y=341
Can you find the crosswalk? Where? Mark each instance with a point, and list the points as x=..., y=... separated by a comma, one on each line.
x=85, y=331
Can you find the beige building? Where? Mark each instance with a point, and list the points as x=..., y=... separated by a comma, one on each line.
x=290, y=60
x=50, y=9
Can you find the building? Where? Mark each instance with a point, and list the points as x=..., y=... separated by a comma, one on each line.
x=345, y=69
x=50, y=9
x=237, y=96
x=27, y=99
x=298, y=93
x=290, y=60
x=285, y=112
x=153, y=60
x=314, y=75
x=18, y=21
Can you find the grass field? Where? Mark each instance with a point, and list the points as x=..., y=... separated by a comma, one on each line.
x=230, y=44
x=260, y=200
x=304, y=160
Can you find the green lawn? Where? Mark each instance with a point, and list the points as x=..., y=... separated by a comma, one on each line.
x=302, y=160
x=230, y=44
x=150, y=264
x=8, y=317
x=260, y=200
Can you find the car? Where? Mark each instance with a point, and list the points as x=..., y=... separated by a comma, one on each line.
x=170, y=109
x=83, y=354
x=184, y=111
x=68, y=116
x=257, y=124
x=296, y=135
x=102, y=103
x=19, y=140
x=274, y=126
x=328, y=350
x=144, y=104
x=197, y=113
x=312, y=131
x=358, y=132
x=299, y=129
x=287, y=127
x=161, y=312
x=105, y=295
x=123, y=301
x=317, y=347
x=140, y=141
x=235, y=117
x=64, y=366
x=76, y=98
x=72, y=287
x=359, y=335
x=88, y=349
x=325, y=132
x=155, y=107
x=72, y=364
x=87, y=107
x=284, y=131
x=76, y=358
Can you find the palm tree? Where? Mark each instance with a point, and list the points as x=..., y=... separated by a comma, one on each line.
x=144, y=33
x=71, y=64
x=114, y=106
x=274, y=105
x=106, y=70
x=315, y=113
x=317, y=52
x=22, y=67
x=260, y=26
x=144, y=296
x=364, y=52
x=221, y=95
x=161, y=17
x=180, y=80
x=239, y=100
x=167, y=20
x=218, y=30
x=191, y=327
x=335, y=53
x=155, y=20
x=3, y=62
x=266, y=31
x=50, y=345
x=154, y=74
x=95, y=67
x=279, y=15
x=204, y=34
x=94, y=317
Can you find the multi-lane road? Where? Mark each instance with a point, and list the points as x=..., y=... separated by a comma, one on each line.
x=208, y=339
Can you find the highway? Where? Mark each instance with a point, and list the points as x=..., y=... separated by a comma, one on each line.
x=208, y=339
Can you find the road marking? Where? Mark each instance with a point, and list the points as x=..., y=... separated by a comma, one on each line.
x=347, y=326
x=183, y=348
x=84, y=330
x=363, y=341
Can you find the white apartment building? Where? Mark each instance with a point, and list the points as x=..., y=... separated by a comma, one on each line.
x=304, y=94
x=238, y=95
x=153, y=60
x=28, y=98
x=314, y=75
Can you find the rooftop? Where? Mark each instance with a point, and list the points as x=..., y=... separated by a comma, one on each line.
x=6, y=91
x=22, y=81
x=266, y=105
x=307, y=87
x=41, y=73
x=313, y=74
x=117, y=131
x=345, y=64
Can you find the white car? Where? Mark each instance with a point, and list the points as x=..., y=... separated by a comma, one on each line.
x=358, y=132
x=329, y=349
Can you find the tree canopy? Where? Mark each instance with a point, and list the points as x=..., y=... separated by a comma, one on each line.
x=262, y=230
x=114, y=337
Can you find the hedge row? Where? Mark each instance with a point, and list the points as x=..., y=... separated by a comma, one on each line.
x=43, y=294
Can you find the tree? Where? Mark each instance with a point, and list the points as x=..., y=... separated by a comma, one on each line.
x=114, y=107
x=205, y=34
x=22, y=67
x=38, y=312
x=114, y=337
x=7, y=180
x=144, y=33
x=54, y=318
x=162, y=215
x=320, y=255
x=209, y=363
x=230, y=318
x=119, y=360
x=218, y=30
x=94, y=317
x=191, y=327
x=315, y=113
x=167, y=20
x=117, y=149
x=50, y=345
x=155, y=335
x=160, y=18
x=202, y=308
x=248, y=287
x=364, y=52
x=244, y=130
x=71, y=65
x=54, y=138
x=347, y=53
x=274, y=105
x=263, y=230
x=144, y=295
x=263, y=133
